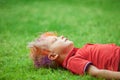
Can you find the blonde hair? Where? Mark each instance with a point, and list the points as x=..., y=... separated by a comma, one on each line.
x=39, y=54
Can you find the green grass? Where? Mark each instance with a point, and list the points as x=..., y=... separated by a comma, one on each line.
x=83, y=21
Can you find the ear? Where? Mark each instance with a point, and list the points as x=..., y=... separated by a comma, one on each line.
x=52, y=56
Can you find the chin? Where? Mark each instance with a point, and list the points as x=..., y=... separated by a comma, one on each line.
x=70, y=44
x=68, y=47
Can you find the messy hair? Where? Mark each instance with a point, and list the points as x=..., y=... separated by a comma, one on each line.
x=39, y=54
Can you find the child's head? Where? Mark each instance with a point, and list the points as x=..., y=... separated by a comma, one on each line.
x=47, y=48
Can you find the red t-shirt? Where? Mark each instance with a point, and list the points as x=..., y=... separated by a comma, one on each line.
x=103, y=56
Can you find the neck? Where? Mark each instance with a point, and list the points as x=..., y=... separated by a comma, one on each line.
x=61, y=58
x=63, y=55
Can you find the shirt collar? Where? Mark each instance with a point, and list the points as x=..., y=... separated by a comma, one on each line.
x=71, y=53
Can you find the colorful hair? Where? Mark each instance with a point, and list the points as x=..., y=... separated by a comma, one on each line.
x=48, y=34
x=38, y=54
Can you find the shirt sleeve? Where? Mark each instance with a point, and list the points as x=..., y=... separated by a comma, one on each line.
x=78, y=65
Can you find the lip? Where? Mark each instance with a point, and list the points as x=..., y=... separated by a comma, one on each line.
x=66, y=39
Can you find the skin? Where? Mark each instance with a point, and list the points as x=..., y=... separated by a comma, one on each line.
x=102, y=73
x=59, y=47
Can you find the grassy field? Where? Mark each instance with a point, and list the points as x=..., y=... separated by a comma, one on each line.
x=83, y=21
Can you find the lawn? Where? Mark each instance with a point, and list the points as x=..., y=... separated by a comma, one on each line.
x=83, y=21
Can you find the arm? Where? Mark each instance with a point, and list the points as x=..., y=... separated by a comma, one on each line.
x=102, y=73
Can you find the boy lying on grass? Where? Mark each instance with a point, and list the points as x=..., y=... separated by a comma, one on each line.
x=98, y=60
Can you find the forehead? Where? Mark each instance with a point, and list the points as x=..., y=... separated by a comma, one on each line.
x=43, y=39
x=47, y=40
x=50, y=37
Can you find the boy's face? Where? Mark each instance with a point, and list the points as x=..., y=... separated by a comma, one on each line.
x=58, y=44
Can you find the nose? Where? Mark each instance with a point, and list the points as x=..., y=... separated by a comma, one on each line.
x=62, y=37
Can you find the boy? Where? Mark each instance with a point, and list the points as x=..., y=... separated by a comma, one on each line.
x=99, y=60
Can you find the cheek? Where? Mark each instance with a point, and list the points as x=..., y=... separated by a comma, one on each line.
x=61, y=47
x=57, y=48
